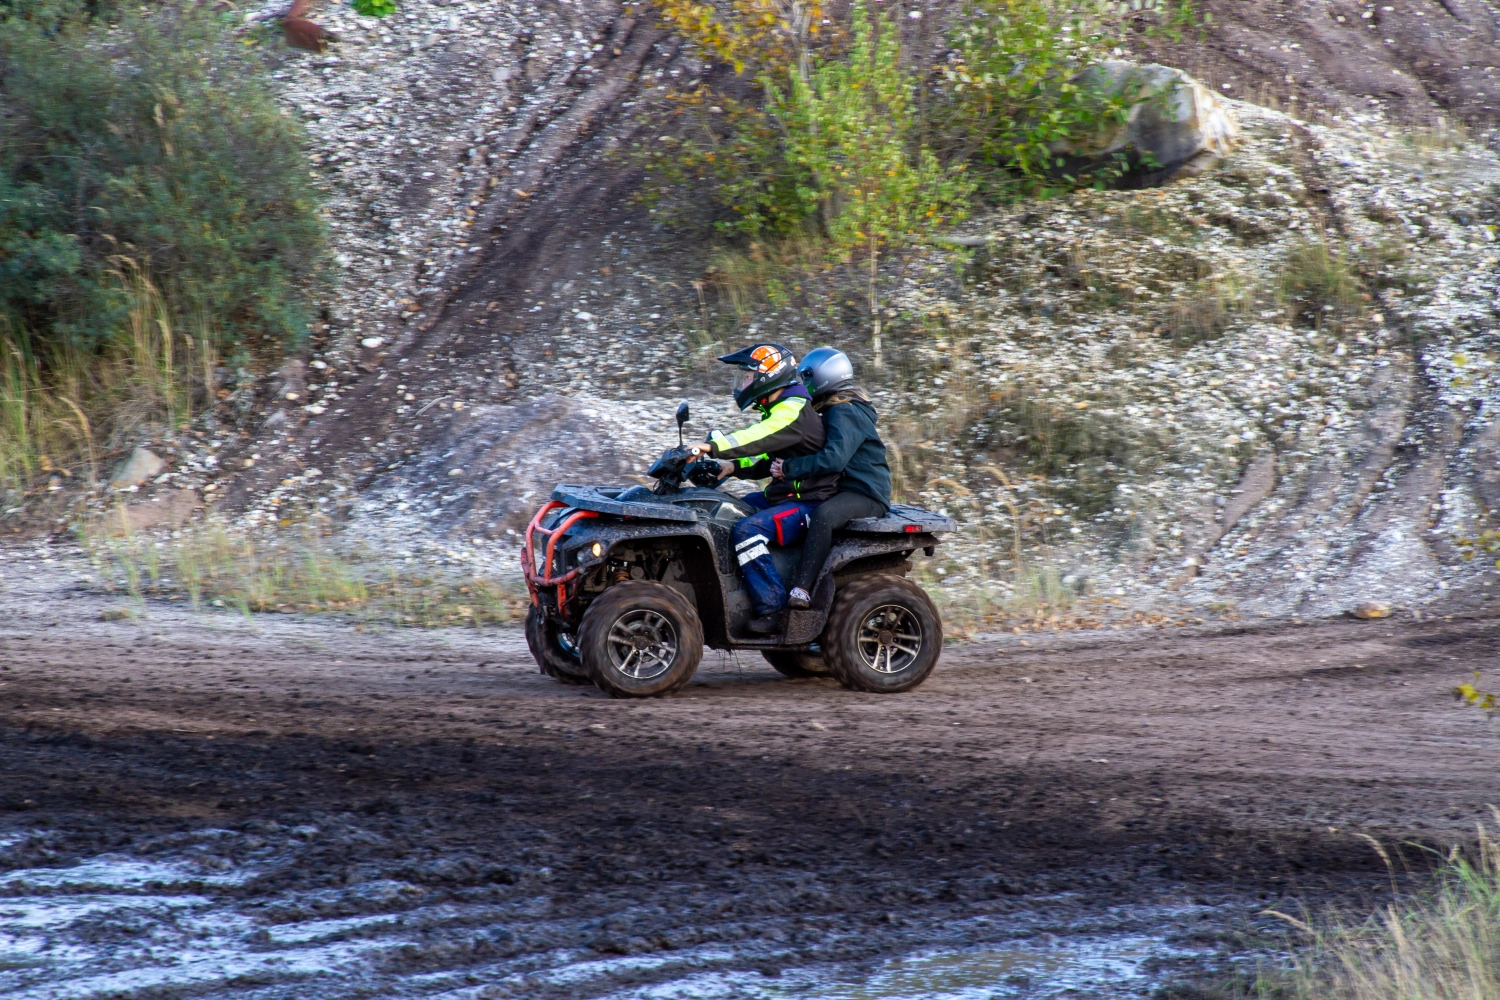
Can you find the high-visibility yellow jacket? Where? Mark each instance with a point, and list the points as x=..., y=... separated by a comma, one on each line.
x=789, y=427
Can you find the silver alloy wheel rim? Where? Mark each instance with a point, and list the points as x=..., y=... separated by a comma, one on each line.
x=642, y=644
x=890, y=639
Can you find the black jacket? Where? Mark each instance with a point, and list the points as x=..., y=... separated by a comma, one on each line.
x=788, y=427
x=853, y=448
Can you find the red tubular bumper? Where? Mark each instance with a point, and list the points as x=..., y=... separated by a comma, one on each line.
x=538, y=578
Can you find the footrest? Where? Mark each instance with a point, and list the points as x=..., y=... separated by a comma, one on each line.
x=803, y=626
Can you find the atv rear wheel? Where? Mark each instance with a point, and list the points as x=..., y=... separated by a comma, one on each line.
x=640, y=639
x=555, y=652
x=883, y=635
x=797, y=665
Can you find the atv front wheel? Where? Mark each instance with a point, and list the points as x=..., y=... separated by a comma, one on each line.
x=883, y=635
x=640, y=639
x=797, y=665
x=554, y=651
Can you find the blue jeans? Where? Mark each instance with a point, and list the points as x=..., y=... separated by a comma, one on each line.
x=783, y=524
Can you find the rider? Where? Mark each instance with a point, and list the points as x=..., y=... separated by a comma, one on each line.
x=853, y=448
x=767, y=379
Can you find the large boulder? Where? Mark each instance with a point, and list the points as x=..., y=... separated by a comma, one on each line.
x=1175, y=127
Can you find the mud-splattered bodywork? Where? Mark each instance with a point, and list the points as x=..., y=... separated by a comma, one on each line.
x=682, y=539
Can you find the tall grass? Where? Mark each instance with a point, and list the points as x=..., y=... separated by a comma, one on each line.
x=1321, y=286
x=1441, y=945
x=64, y=407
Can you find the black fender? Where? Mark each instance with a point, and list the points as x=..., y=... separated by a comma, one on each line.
x=701, y=558
x=882, y=550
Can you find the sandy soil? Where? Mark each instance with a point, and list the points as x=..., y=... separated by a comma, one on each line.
x=1101, y=769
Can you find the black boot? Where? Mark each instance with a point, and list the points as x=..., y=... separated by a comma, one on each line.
x=769, y=625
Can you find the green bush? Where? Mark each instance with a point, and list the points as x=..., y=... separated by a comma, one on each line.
x=156, y=213
x=1012, y=95
x=831, y=148
x=827, y=115
x=831, y=145
x=147, y=135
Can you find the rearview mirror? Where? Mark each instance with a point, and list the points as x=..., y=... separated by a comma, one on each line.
x=682, y=414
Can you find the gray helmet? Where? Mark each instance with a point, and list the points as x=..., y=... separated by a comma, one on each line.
x=825, y=370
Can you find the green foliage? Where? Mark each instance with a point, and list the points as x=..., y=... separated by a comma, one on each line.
x=831, y=137
x=374, y=8
x=1160, y=18
x=1012, y=96
x=849, y=138
x=830, y=147
x=171, y=154
x=1471, y=695
x=155, y=214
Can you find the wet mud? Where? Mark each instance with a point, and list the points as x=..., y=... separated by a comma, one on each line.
x=207, y=805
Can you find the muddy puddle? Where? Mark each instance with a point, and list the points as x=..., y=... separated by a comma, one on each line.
x=216, y=913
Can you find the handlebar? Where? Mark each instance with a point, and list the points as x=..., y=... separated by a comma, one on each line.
x=677, y=464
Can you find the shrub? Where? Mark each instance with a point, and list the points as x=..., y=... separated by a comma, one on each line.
x=142, y=143
x=831, y=147
x=830, y=144
x=150, y=136
x=1011, y=95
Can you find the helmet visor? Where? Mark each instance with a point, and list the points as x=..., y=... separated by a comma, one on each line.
x=741, y=381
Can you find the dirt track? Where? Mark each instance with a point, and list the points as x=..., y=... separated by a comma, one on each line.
x=789, y=822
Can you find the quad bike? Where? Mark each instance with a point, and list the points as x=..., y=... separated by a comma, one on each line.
x=628, y=584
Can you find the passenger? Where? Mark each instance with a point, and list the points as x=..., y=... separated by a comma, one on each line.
x=767, y=379
x=853, y=451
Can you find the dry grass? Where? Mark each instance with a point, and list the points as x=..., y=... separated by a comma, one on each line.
x=1206, y=309
x=769, y=272
x=1441, y=945
x=63, y=407
x=1442, y=136
x=288, y=570
x=1321, y=286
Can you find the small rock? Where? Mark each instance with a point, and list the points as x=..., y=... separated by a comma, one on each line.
x=173, y=509
x=372, y=342
x=1370, y=610
x=114, y=615
x=139, y=467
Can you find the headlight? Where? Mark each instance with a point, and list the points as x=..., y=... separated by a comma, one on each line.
x=597, y=549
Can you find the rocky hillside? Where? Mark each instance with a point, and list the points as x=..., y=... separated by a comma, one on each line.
x=1269, y=389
